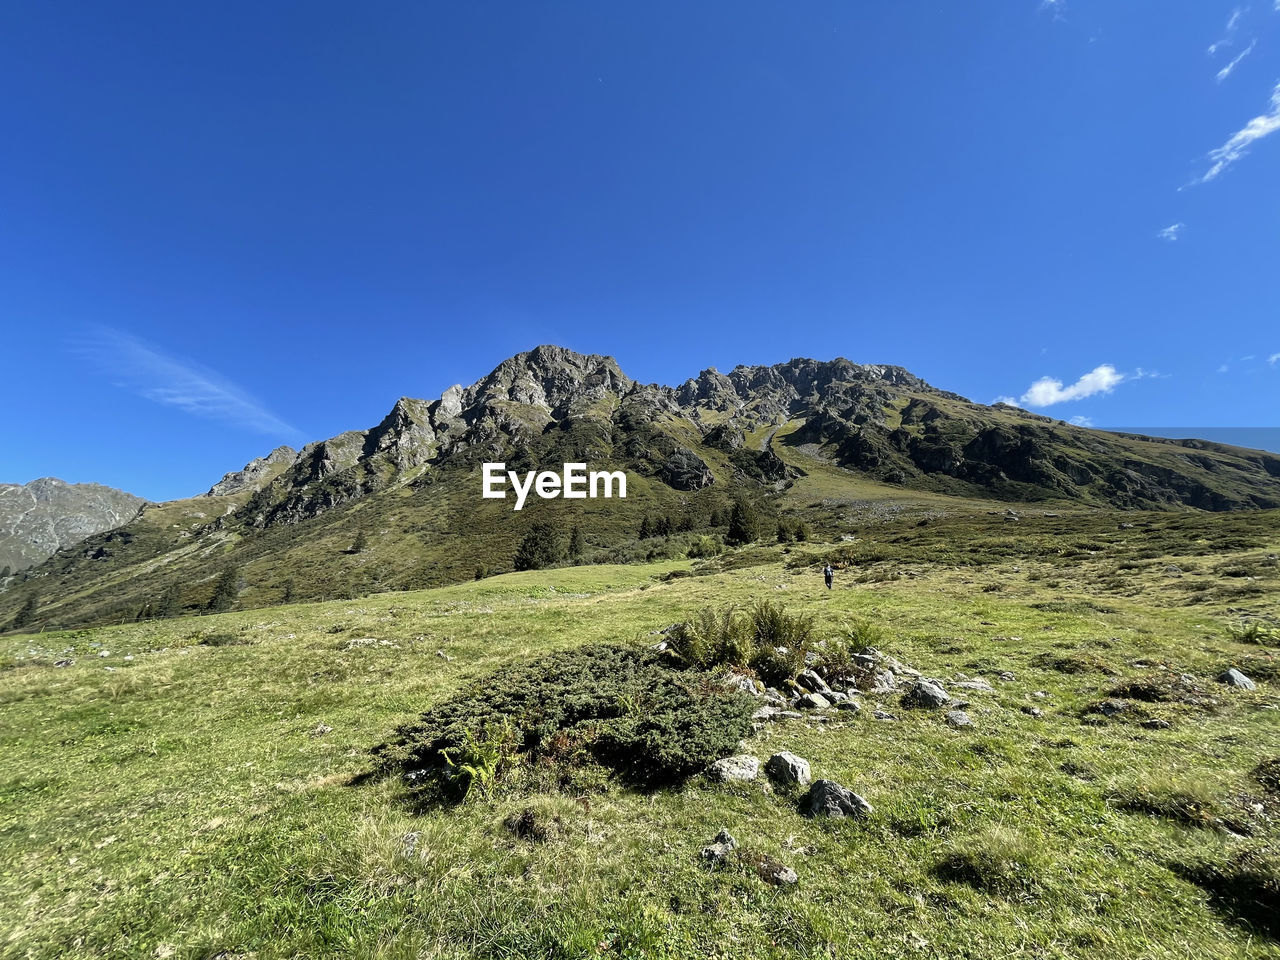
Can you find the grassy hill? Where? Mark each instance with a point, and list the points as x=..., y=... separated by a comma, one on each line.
x=200, y=787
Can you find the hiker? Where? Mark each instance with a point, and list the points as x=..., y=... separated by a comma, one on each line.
x=828, y=575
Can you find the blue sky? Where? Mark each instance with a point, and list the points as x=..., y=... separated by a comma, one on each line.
x=228, y=226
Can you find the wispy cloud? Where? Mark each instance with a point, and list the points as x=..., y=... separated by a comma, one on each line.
x=1229, y=34
x=1275, y=357
x=1059, y=8
x=1171, y=232
x=1224, y=368
x=149, y=372
x=1235, y=148
x=1081, y=421
x=1235, y=61
x=1048, y=391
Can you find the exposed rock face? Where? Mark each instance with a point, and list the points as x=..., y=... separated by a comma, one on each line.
x=254, y=474
x=39, y=518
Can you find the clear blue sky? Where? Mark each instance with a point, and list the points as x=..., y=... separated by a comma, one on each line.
x=227, y=226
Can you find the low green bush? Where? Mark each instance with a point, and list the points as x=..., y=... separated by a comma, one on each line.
x=763, y=638
x=636, y=713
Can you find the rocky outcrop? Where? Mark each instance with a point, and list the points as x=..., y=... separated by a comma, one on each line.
x=254, y=474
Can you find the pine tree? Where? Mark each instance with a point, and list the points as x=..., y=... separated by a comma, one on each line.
x=171, y=602
x=225, y=590
x=27, y=614
x=540, y=547
x=646, y=527
x=801, y=531
x=744, y=525
x=361, y=541
x=784, y=532
x=288, y=592
x=575, y=542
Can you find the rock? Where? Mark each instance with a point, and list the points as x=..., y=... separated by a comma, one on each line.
x=64, y=663
x=1234, y=678
x=836, y=697
x=813, y=701
x=883, y=715
x=1032, y=711
x=812, y=682
x=104, y=653
x=826, y=798
x=737, y=768
x=1006, y=675
x=443, y=656
x=786, y=767
x=1155, y=723
x=409, y=844
x=977, y=683
x=925, y=695
x=776, y=873
x=852, y=706
x=958, y=718
x=321, y=730
x=736, y=681
x=1109, y=708
x=775, y=713
x=719, y=849
x=883, y=681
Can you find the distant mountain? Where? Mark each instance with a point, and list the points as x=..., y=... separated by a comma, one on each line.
x=803, y=437
x=41, y=517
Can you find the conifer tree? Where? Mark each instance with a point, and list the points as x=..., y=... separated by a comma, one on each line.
x=225, y=590
x=744, y=525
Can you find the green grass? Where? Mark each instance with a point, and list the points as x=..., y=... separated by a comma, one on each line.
x=187, y=802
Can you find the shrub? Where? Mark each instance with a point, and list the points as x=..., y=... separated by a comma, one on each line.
x=1254, y=630
x=632, y=712
x=764, y=638
x=540, y=547
x=702, y=547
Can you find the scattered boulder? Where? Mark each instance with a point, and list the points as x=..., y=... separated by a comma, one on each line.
x=883, y=715
x=1156, y=723
x=1108, y=708
x=813, y=701
x=852, y=706
x=925, y=695
x=1032, y=711
x=737, y=768
x=321, y=729
x=1008, y=676
x=64, y=663
x=977, y=683
x=786, y=767
x=719, y=849
x=812, y=682
x=778, y=874
x=826, y=798
x=775, y=713
x=958, y=718
x=1234, y=678
x=883, y=681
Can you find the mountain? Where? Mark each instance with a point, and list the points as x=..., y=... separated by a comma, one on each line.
x=41, y=517
x=398, y=505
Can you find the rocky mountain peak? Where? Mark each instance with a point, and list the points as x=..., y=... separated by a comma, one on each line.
x=254, y=473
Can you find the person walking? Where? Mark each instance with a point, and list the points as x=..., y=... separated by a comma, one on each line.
x=828, y=575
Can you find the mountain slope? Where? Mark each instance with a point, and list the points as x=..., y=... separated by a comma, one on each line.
x=41, y=517
x=398, y=505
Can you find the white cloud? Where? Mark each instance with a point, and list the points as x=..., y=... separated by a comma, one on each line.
x=1009, y=400
x=1081, y=421
x=1247, y=357
x=1171, y=232
x=1275, y=357
x=1047, y=391
x=1230, y=32
x=1255, y=129
x=1058, y=8
x=154, y=375
x=1224, y=368
x=1226, y=71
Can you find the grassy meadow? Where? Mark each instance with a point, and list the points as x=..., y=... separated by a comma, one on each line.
x=200, y=787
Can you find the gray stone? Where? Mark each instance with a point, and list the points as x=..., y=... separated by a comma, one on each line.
x=836, y=697
x=778, y=874
x=826, y=798
x=813, y=701
x=1006, y=675
x=786, y=767
x=740, y=767
x=925, y=695
x=883, y=681
x=958, y=718
x=883, y=715
x=1032, y=711
x=736, y=681
x=1234, y=678
x=852, y=706
x=719, y=849
x=812, y=682
x=977, y=683
x=1156, y=723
